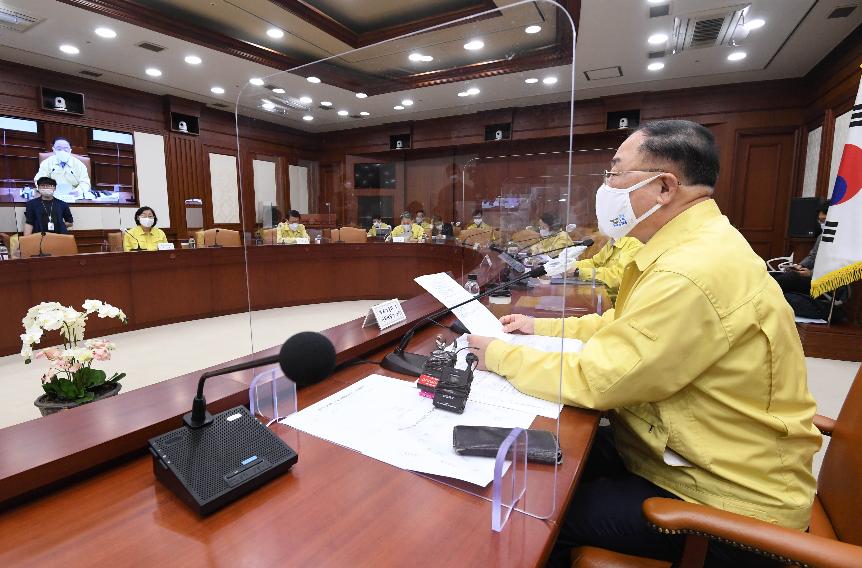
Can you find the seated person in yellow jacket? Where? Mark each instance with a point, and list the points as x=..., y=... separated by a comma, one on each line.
x=292, y=229
x=554, y=238
x=610, y=262
x=701, y=368
x=422, y=221
x=144, y=235
x=377, y=224
x=479, y=222
x=408, y=229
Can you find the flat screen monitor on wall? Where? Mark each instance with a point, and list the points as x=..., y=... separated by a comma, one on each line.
x=374, y=176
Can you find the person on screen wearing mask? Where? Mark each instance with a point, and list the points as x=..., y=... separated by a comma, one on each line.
x=554, y=239
x=69, y=172
x=291, y=230
x=700, y=368
x=408, y=229
x=46, y=213
x=144, y=235
x=610, y=262
x=423, y=222
x=377, y=224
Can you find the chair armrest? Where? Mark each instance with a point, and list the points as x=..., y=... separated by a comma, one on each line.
x=671, y=516
x=825, y=424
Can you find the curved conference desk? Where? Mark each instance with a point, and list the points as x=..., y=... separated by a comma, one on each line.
x=77, y=487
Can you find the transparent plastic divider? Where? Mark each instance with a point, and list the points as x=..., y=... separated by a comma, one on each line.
x=393, y=86
x=510, y=477
x=271, y=396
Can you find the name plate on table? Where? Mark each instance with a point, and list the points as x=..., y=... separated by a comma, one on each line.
x=302, y=240
x=165, y=246
x=385, y=314
x=399, y=239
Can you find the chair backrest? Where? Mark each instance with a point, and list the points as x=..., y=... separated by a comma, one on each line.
x=84, y=160
x=473, y=236
x=269, y=236
x=334, y=235
x=115, y=241
x=53, y=244
x=839, y=485
x=225, y=238
x=352, y=235
x=526, y=237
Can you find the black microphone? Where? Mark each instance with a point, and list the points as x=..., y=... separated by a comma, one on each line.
x=137, y=242
x=215, y=241
x=407, y=363
x=41, y=252
x=306, y=358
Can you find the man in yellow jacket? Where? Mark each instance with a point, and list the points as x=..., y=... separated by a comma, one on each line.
x=291, y=230
x=610, y=262
x=554, y=238
x=701, y=368
x=408, y=230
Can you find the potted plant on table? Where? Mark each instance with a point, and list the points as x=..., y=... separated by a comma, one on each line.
x=71, y=379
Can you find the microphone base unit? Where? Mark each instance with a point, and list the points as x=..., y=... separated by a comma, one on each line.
x=405, y=363
x=212, y=466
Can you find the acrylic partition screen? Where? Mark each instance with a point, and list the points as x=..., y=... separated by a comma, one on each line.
x=362, y=170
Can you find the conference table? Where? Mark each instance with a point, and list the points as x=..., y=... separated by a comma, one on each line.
x=77, y=488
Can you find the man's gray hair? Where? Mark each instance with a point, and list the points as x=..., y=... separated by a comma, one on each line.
x=688, y=145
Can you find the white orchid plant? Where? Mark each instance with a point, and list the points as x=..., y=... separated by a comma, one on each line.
x=70, y=376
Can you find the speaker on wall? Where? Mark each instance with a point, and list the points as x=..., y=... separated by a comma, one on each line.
x=399, y=141
x=495, y=132
x=803, y=217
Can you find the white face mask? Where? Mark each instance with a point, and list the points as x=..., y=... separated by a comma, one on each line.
x=147, y=222
x=614, y=209
x=46, y=192
x=545, y=232
x=439, y=226
x=420, y=219
x=63, y=156
x=293, y=226
x=377, y=224
x=477, y=220
x=407, y=226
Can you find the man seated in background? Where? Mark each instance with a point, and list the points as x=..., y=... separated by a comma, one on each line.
x=554, y=238
x=47, y=214
x=144, y=235
x=439, y=228
x=69, y=172
x=291, y=230
x=377, y=224
x=423, y=222
x=700, y=367
x=479, y=222
x=409, y=230
x=610, y=262
x=797, y=277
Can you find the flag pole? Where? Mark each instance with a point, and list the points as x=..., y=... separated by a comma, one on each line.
x=831, y=309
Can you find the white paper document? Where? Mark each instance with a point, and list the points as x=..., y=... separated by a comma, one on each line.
x=386, y=419
x=475, y=316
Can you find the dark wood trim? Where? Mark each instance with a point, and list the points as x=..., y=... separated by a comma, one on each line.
x=370, y=38
x=319, y=20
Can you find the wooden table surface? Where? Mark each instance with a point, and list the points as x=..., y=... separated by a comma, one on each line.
x=334, y=508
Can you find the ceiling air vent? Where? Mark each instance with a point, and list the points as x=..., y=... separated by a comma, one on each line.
x=16, y=21
x=656, y=54
x=709, y=29
x=219, y=105
x=90, y=73
x=659, y=11
x=151, y=47
x=842, y=11
x=605, y=73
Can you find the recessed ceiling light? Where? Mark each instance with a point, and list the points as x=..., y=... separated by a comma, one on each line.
x=343, y=113
x=531, y=80
x=275, y=33
x=657, y=66
x=657, y=39
x=325, y=104
x=533, y=29
x=407, y=102
x=361, y=95
x=364, y=113
x=106, y=33
x=193, y=60
x=70, y=49
x=549, y=80
x=268, y=106
x=463, y=94
x=473, y=91
x=475, y=44
x=307, y=117
x=755, y=24
x=656, y=1
x=305, y=100
x=427, y=58
x=398, y=107
x=217, y=90
x=153, y=72
x=737, y=56
x=415, y=56
x=258, y=82
x=278, y=91
x=312, y=79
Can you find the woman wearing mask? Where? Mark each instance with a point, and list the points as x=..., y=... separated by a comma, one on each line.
x=144, y=235
x=408, y=229
x=422, y=221
x=554, y=238
x=291, y=230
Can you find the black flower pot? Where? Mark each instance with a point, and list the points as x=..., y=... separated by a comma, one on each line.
x=48, y=405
